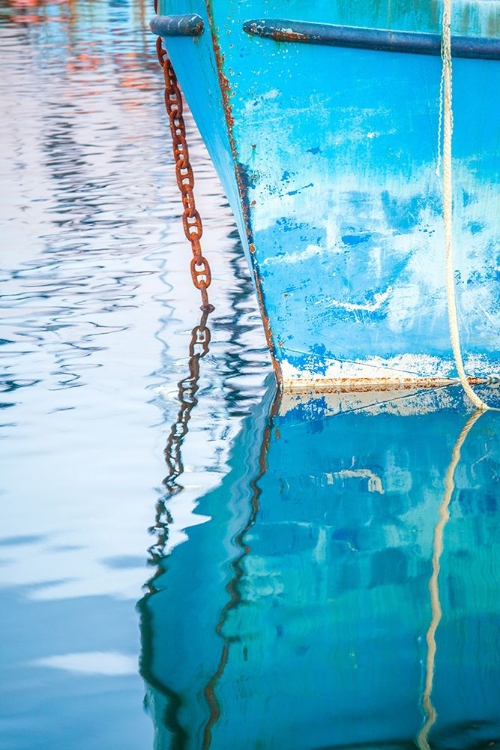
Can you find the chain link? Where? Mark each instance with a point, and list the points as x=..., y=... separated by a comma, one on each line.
x=191, y=219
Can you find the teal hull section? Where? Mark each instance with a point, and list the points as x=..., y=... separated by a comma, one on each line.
x=298, y=616
x=328, y=157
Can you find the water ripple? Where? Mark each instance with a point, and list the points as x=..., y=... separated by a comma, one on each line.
x=96, y=309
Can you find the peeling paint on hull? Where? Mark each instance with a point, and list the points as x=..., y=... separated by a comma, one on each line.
x=328, y=157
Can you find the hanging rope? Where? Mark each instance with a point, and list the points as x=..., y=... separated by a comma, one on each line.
x=446, y=122
x=446, y=117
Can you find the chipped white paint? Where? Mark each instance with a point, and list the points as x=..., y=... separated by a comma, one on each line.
x=403, y=367
x=298, y=257
x=378, y=300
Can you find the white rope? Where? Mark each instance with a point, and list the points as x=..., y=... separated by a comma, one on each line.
x=446, y=121
x=446, y=113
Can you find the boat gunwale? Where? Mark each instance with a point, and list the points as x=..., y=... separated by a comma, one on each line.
x=413, y=42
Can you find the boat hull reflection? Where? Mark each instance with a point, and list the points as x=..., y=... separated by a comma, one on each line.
x=344, y=591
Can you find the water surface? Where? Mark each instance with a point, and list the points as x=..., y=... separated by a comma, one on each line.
x=97, y=310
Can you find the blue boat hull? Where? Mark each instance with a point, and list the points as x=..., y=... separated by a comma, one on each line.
x=328, y=155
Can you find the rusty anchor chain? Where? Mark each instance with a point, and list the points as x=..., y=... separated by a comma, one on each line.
x=201, y=275
x=191, y=219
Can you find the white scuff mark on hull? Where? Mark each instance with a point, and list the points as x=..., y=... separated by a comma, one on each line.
x=310, y=252
x=378, y=300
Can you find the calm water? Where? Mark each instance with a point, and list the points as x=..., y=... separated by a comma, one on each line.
x=185, y=563
x=97, y=310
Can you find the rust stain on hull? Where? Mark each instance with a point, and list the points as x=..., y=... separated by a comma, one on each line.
x=365, y=385
x=241, y=180
x=267, y=331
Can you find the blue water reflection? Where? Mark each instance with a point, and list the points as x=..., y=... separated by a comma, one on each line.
x=345, y=591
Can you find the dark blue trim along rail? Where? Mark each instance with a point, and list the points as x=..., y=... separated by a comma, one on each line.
x=187, y=25
x=377, y=39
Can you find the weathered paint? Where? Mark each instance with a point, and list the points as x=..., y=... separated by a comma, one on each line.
x=328, y=157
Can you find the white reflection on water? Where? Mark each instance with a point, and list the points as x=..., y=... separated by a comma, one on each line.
x=92, y=662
